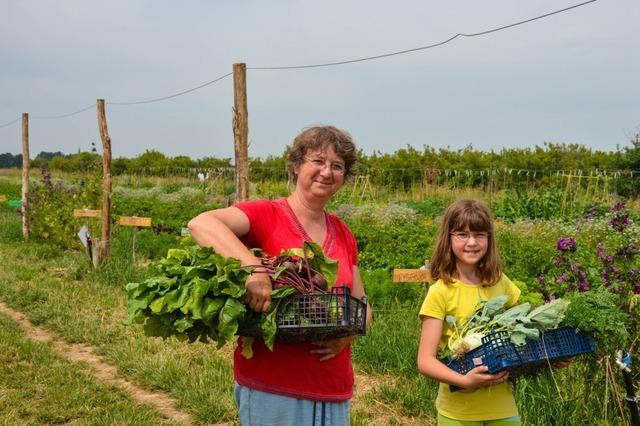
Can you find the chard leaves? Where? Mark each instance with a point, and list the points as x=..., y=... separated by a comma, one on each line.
x=197, y=294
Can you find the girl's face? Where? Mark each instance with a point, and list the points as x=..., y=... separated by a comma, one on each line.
x=321, y=173
x=469, y=247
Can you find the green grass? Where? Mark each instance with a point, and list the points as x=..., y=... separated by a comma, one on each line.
x=39, y=387
x=60, y=291
x=43, y=284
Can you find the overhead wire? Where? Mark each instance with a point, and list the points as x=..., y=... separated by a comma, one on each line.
x=385, y=55
x=10, y=122
x=53, y=117
x=171, y=96
x=350, y=61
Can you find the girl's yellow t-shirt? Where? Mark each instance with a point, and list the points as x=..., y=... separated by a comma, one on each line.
x=459, y=300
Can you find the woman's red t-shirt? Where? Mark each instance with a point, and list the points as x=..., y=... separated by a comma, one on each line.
x=290, y=369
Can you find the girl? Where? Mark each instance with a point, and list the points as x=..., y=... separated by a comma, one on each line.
x=467, y=268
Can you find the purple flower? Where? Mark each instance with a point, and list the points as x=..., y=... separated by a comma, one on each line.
x=583, y=285
x=574, y=266
x=620, y=221
x=542, y=280
x=567, y=244
x=617, y=207
x=560, y=278
x=633, y=271
x=558, y=260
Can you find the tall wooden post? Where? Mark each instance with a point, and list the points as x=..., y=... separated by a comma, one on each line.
x=103, y=251
x=241, y=131
x=25, y=175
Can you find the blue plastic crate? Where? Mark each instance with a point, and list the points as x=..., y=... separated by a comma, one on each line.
x=499, y=354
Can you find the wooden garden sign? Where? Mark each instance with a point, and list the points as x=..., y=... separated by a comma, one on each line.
x=136, y=222
x=411, y=276
x=86, y=213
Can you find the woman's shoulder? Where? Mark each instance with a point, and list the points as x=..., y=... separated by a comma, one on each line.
x=338, y=223
x=259, y=204
x=262, y=210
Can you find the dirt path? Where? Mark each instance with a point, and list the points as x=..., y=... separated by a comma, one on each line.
x=103, y=371
x=364, y=384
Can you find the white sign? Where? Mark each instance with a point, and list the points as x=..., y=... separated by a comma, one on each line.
x=83, y=234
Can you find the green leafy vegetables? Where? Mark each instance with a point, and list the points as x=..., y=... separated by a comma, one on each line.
x=520, y=321
x=197, y=294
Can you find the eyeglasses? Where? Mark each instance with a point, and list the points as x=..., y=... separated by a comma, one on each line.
x=320, y=163
x=466, y=236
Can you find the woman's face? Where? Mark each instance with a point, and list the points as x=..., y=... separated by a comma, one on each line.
x=321, y=173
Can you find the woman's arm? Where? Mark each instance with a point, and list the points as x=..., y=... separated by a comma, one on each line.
x=328, y=349
x=358, y=292
x=430, y=366
x=221, y=229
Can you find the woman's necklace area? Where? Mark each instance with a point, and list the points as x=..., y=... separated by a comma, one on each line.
x=313, y=228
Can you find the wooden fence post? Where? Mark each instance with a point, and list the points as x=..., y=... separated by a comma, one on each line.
x=241, y=131
x=106, y=185
x=25, y=175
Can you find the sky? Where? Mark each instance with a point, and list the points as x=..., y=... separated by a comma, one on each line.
x=573, y=77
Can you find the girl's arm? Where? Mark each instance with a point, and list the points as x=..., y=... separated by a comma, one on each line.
x=430, y=366
x=221, y=229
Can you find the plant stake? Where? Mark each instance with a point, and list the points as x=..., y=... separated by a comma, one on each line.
x=624, y=362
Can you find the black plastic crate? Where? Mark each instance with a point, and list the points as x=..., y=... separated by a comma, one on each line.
x=498, y=353
x=317, y=316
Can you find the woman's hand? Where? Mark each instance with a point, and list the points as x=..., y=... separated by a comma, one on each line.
x=328, y=349
x=479, y=377
x=258, y=292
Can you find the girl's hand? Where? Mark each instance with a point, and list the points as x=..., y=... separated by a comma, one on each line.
x=479, y=377
x=328, y=349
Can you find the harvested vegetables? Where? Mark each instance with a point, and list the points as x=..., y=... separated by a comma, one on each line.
x=519, y=321
x=197, y=294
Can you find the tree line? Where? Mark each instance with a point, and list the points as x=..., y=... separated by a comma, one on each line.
x=400, y=167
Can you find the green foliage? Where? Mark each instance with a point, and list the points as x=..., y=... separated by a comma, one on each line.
x=523, y=250
x=545, y=203
x=382, y=231
x=50, y=206
x=11, y=189
x=172, y=210
x=597, y=313
x=382, y=293
x=10, y=227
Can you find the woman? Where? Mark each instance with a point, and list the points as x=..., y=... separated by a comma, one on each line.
x=297, y=383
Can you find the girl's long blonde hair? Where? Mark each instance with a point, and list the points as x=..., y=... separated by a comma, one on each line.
x=459, y=216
